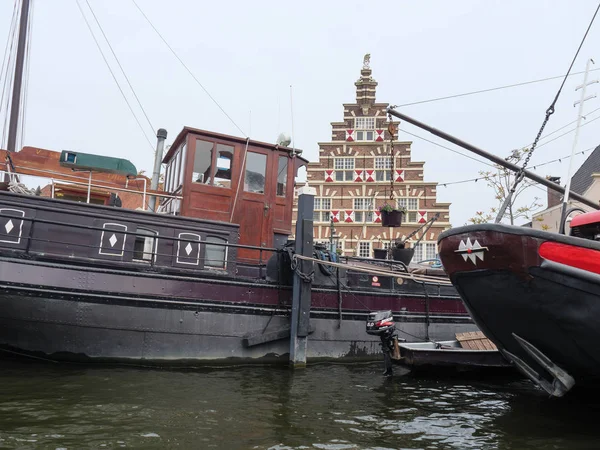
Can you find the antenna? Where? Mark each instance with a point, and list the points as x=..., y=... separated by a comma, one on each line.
x=292, y=110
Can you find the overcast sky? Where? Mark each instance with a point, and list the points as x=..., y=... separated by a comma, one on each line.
x=247, y=54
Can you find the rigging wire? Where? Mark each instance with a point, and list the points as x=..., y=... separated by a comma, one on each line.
x=545, y=163
x=481, y=91
x=121, y=67
x=8, y=74
x=188, y=69
x=112, y=73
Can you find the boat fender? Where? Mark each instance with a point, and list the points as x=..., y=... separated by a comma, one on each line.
x=325, y=270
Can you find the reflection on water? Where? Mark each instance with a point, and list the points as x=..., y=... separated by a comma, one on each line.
x=330, y=407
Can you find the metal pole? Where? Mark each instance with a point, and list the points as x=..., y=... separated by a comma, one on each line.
x=18, y=79
x=496, y=159
x=583, y=98
x=161, y=135
x=89, y=186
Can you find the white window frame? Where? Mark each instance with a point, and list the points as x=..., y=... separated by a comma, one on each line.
x=364, y=123
x=364, y=248
x=412, y=206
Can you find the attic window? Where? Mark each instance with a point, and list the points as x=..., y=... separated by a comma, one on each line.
x=71, y=158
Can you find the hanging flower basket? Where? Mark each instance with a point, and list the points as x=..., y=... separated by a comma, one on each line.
x=391, y=218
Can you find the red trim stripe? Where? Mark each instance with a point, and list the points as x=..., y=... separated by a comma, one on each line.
x=570, y=255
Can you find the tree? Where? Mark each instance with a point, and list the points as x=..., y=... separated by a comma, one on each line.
x=501, y=181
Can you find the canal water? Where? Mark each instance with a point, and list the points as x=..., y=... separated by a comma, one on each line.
x=335, y=407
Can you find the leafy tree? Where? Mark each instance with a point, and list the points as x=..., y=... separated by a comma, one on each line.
x=501, y=181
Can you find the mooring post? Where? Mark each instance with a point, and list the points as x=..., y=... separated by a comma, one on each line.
x=300, y=321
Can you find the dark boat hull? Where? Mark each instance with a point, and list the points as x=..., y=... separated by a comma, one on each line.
x=450, y=357
x=529, y=305
x=92, y=314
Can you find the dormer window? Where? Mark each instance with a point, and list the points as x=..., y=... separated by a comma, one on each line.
x=364, y=128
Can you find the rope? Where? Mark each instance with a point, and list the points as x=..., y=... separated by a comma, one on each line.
x=385, y=273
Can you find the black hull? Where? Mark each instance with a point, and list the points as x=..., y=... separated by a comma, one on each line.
x=73, y=316
x=518, y=298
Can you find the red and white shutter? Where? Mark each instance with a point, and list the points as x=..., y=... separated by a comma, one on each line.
x=358, y=176
x=369, y=175
x=349, y=216
x=399, y=175
x=421, y=216
x=335, y=216
x=376, y=216
x=350, y=135
x=379, y=135
x=328, y=176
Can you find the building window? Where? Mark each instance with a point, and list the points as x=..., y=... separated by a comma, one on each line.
x=203, y=162
x=144, y=246
x=365, y=127
x=282, y=176
x=425, y=250
x=344, y=169
x=383, y=162
x=224, y=163
x=364, y=249
x=215, y=256
x=256, y=167
x=364, y=123
x=411, y=205
x=383, y=166
x=363, y=210
x=430, y=250
x=322, y=211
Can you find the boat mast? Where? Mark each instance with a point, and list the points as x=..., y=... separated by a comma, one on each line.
x=583, y=88
x=18, y=79
x=495, y=159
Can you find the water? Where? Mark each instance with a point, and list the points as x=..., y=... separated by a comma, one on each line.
x=331, y=407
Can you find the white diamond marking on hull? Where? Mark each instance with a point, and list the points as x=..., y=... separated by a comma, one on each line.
x=471, y=250
x=113, y=240
x=9, y=226
x=188, y=249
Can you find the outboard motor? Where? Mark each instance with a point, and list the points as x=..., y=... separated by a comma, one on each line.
x=381, y=323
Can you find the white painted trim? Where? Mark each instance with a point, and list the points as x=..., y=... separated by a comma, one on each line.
x=100, y=252
x=18, y=241
x=179, y=236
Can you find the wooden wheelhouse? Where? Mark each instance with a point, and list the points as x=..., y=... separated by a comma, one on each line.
x=235, y=180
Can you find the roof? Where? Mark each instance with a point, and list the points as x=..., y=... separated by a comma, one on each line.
x=225, y=137
x=582, y=180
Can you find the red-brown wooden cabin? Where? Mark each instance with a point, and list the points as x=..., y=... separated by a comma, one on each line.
x=232, y=179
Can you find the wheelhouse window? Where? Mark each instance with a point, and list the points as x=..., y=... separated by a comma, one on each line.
x=202, y=171
x=256, y=169
x=144, y=245
x=215, y=255
x=224, y=164
x=282, y=167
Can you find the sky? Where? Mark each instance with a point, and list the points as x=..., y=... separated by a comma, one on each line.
x=246, y=55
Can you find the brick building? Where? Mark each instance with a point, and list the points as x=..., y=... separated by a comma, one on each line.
x=354, y=175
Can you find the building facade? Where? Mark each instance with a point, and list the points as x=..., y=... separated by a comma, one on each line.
x=363, y=167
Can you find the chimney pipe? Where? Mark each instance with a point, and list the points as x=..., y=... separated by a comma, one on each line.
x=161, y=135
